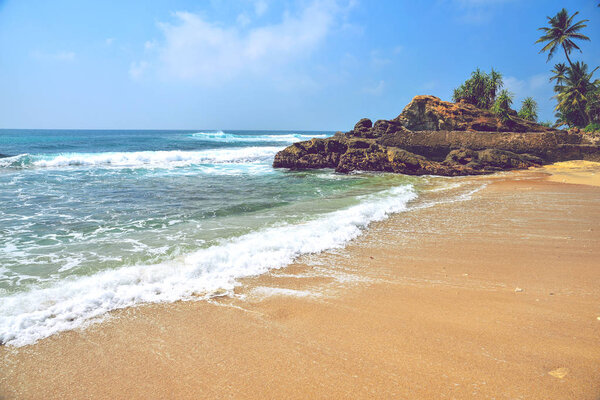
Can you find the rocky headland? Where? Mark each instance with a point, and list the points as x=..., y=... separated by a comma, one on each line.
x=436, y=137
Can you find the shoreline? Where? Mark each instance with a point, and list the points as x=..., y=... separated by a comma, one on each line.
x=431, y=302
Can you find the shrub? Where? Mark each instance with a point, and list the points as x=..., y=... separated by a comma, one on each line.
x=502, y=105
x=529, y=109
x=593, y=127
x=479, y=90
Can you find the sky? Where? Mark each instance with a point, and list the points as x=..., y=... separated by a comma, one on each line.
x=263, y=64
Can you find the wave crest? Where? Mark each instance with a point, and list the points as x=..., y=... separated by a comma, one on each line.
x=223, y=137
x=142, y=159
x=30, y=316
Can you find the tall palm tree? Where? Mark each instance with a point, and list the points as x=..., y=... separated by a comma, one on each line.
x=562, y=33
x=574, y=96
x=559, y=72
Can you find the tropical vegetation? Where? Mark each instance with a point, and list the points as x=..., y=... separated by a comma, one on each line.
x=479, y=90
x=529, y=109
x=577, y=92
x=562, y=33
x=501, y=106
x=483, y=91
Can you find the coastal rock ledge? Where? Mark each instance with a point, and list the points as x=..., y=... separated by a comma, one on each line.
x=436, y=137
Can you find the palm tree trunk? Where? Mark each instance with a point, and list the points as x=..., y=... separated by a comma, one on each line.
x=567, y=55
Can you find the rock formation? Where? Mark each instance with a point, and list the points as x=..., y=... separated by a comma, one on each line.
x=436, y=137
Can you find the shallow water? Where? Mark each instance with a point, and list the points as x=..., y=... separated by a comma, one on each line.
x=92, y=221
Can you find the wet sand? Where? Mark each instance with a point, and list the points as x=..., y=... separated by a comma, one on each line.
x=493, y=297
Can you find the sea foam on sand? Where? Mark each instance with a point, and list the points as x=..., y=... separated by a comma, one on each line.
x=29, y=316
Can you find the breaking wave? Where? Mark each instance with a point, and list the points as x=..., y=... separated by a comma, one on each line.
x=223, y=137
x=40, y=312
x=141, y=159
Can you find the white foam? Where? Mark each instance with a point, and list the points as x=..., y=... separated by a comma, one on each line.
x=265, y=291
x=29, y=316
x=221, y=136
x=145, y=159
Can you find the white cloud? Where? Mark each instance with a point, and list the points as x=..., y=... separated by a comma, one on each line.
x=479, y=3
x=428, y=86
x=58, y=56
x=527, y=87
x=208, y=52
x=476, y=11
x=137, y=69
x=109, y=41
x=243, y=19
x=378, y=59
x=537, y=86
x=260, y=7
x=376, y=90
x=150, y=44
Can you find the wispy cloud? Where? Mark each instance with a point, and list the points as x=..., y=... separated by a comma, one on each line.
x=260, y=7
x=208, y=52
x=476, y=11
x=537, y=86
x=379, y=59
x=56, y=56
x=376, y=90
x=527, y=87
x=243, y=19
x=137, y=69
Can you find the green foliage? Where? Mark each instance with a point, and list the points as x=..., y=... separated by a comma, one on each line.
x=562, y=33
x=559, y=72
x=502, y=105
x=479, y=90
x=577, y=93
x=592, y=127
x=578, y=97
x=529, y=108
x=547, y=124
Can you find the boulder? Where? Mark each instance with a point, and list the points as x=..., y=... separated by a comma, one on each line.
x=429, y=113
x=435, y=137
x=491, y=159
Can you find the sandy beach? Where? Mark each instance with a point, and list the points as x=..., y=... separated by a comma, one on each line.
x=496, y=296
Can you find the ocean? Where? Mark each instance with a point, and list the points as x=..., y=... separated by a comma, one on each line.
x=94, y=221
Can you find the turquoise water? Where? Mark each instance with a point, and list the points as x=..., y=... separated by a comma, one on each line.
x=92, y=221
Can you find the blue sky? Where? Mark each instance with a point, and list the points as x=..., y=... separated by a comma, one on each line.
x=262, y=64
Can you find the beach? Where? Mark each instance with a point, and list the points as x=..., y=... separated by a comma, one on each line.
x=490, y=296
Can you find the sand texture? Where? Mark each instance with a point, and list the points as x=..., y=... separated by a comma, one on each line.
x=493, y=297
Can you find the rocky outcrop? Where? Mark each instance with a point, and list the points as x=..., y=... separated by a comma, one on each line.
x=432, y=136
x=429, y=113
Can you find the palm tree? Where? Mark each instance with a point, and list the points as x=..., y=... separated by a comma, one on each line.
x=529, y=109
x=562, y=33
x=577, y=91
x=502, y=105
x=480, y=89
x=559, y=72
x=495, y=83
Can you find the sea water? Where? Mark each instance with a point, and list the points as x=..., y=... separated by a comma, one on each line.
x=93, y=221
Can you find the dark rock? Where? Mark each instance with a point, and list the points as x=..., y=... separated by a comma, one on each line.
x=362, y=128
x=491, y=159
x=441, y=138
x=363, y=124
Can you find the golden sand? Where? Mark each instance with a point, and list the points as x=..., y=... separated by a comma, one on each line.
x=577, y=172
x=494, y=297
